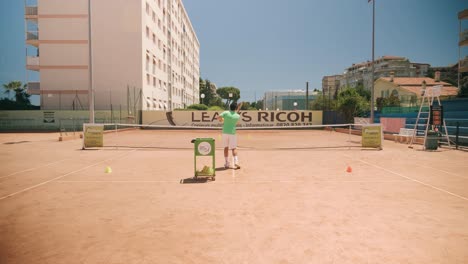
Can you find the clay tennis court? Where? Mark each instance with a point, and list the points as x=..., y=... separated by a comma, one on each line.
x=291, y=202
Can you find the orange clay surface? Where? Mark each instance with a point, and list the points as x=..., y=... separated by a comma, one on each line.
x=292, y=201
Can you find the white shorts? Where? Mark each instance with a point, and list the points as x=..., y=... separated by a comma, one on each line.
x=229, y=141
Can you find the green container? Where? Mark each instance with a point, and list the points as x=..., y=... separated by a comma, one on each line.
x=432, y=140
x=205, y=147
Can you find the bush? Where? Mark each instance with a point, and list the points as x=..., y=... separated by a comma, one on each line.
x=215, y=108
x=198, y=107
x=7, y=104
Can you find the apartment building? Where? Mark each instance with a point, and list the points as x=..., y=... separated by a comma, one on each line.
x=361, y=73
x=331, y=85
x=144, y=54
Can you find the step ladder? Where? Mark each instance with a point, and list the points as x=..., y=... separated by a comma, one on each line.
x=423, y=120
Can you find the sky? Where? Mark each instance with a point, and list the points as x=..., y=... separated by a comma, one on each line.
x=264, y=45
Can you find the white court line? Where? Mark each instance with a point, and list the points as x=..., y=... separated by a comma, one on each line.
x=65, y=181
x=31, y=169
x=232, y=182
x=409, y=178
x=64, y=175
x=447, y=172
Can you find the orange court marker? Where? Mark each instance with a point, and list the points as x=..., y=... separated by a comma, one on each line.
x=349, y=169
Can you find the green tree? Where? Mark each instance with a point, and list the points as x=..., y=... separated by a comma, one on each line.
x=11, y=87
x=245, y=106
x=363, y=92
x=392, y=100
x=350, y=103
x=322, y=102
x=205, y=88
x=224, y=92
x=259, y=104
x=21, y=97
x=211, y=97
x=463, y=89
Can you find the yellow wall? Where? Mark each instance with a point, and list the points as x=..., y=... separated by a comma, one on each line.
x=387, y=88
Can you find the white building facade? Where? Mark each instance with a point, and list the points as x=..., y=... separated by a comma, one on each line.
x=361, y=73
x=144, y=54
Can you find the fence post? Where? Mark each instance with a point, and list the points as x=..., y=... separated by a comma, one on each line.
x=456, y=135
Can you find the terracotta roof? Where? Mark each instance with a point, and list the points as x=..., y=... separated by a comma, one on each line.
x=417, y=81
x=393, y=57
x=446, y=91
x=414, y=84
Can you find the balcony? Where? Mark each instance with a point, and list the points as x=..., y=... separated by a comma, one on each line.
x=463, y=38
x=32, y=63
x=30, y=12
x=463, y=14
x=34, y=88
x=32, y=38
x=464, y=65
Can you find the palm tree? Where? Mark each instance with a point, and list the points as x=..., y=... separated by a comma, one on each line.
x=21, y=96
x=12, y=87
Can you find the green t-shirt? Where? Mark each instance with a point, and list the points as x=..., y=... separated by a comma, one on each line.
x=230, y=121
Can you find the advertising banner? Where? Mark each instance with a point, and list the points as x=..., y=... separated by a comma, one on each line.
x=372, y=136
x=93, y=136
x=247, y=118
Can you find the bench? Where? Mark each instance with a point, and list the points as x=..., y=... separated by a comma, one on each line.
x=404, y=135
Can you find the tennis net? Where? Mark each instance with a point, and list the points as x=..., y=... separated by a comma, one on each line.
x=256, y=138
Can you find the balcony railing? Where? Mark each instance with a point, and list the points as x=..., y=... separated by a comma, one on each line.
x=32, y=63
x=32, y=60
x=34, y=88
x=30, y=10
x=464, y=38
x=32, y=35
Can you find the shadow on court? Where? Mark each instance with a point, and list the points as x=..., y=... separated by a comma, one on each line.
x=201, y=179
x=195, y=180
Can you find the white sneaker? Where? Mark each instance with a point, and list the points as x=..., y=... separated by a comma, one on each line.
x=227, y=165
x=237, y=165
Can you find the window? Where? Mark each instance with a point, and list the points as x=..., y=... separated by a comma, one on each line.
x=147, y=79
x=154, y=66
x=147, y=62
x=154, y=81
x=154, y=17
x=159, y=23
x=147, y=8
x=154, y=38
x=147, y=32
x=160, y=84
